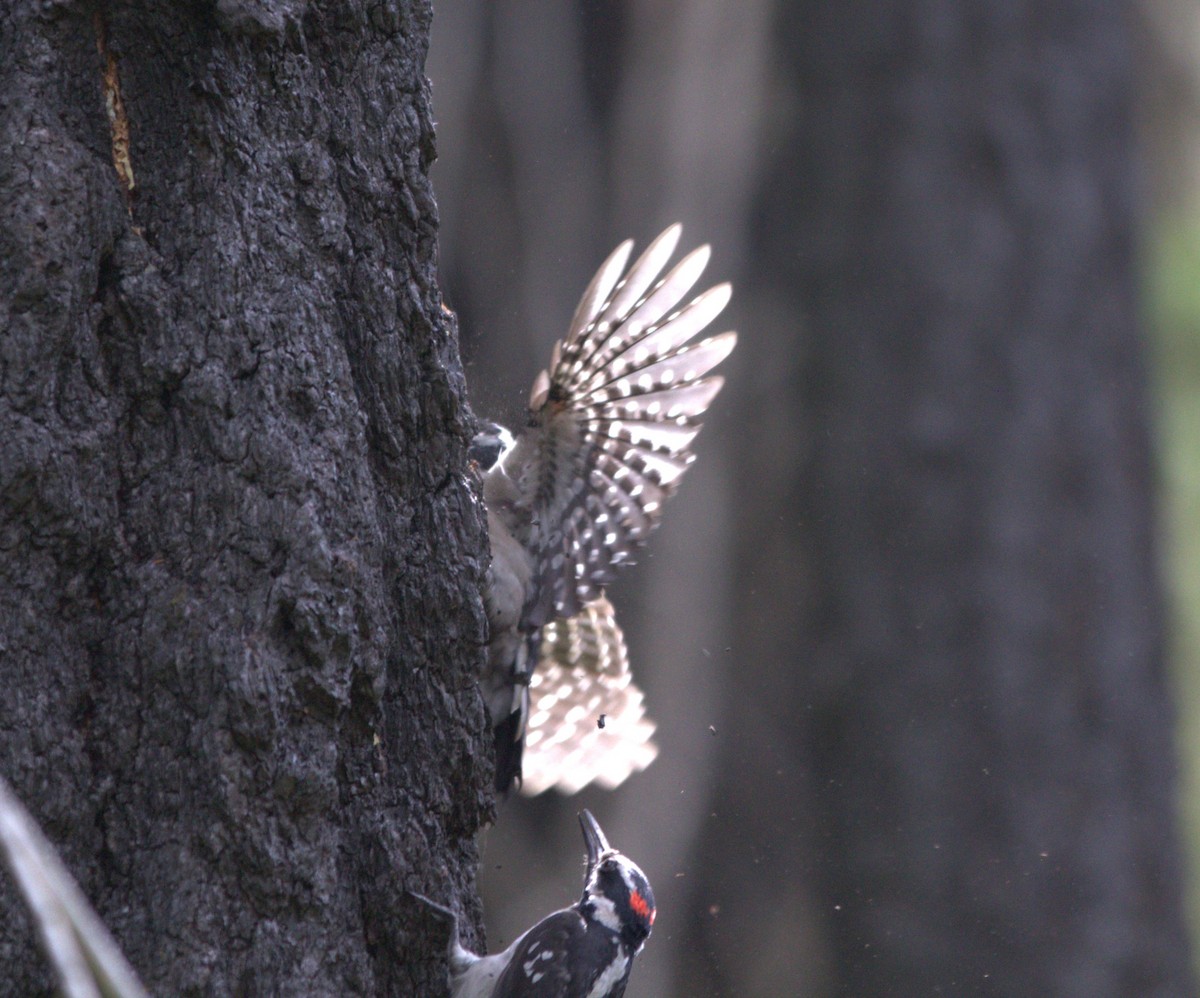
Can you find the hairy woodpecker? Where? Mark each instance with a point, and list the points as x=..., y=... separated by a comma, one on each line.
x=584, y=951
x=572, y=497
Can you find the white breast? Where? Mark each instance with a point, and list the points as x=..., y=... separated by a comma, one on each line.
x=477, y=979
x=608, y=980
x=509, y=578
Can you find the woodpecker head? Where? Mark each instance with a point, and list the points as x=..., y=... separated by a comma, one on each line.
x=615, y=892
x=489, y=445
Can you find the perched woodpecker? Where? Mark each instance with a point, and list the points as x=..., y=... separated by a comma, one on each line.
x=572, y=497
x=585, y=951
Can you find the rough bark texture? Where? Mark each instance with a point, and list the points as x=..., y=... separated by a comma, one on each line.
x=971, y=728
x=239, y=559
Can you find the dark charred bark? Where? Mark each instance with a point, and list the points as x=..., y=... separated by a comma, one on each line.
x=969, y=724
x=239, y=557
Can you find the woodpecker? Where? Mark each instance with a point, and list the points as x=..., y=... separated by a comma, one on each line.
x=584, y=951
x=572, y=497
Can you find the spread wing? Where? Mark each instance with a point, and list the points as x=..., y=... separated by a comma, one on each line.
x=614, y=418
x=582, y=680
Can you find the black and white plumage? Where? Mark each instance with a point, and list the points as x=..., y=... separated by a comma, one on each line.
x=587, y=723
x=577, y=492
x=584, y=951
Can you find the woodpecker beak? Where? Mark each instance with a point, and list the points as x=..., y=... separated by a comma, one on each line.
x=593, y=838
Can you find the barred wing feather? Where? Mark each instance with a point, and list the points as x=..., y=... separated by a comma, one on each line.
x=582, y=676
x=617, y=413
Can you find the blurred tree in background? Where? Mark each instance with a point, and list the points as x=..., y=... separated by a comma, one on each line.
x=1170, y=122
x=902, y=629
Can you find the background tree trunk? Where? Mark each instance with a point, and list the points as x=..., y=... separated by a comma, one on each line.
x=239, y=605
x=943, y=757
x=980, y=708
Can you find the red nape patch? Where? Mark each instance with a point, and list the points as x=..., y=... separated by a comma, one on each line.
x=639, y=905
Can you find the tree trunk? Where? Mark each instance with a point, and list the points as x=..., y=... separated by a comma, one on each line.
x=970, y=730
x=239, y=588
